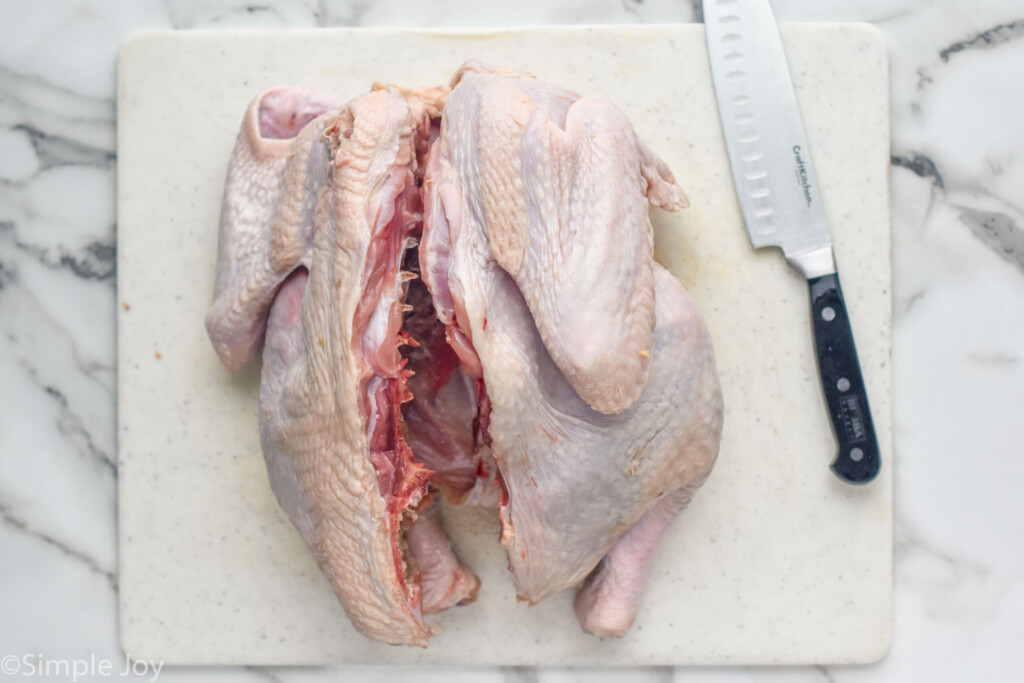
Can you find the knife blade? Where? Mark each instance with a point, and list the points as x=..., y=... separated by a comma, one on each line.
x=779, y=196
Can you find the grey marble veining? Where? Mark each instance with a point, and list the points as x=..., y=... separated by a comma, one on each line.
x=959, y=302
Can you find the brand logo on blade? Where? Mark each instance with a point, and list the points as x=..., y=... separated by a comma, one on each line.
x=801, y=174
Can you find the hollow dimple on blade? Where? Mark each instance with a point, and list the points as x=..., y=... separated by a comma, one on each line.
x=768, y=151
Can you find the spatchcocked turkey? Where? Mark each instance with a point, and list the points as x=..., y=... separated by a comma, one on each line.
x=456, y=296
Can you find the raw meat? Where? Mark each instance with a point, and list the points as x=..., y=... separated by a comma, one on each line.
x=266, y=230
x=334, y=223
x=549, y=366
x=600, y=379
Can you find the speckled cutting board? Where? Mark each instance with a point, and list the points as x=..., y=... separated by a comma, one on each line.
x=775, y=561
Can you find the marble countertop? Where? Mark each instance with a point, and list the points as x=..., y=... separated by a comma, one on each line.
x=958, y=300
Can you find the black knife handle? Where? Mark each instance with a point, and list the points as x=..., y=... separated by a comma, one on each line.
x=858, y=459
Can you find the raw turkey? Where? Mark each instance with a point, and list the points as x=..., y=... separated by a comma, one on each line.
x=457, y=298
x=604, y=408
x=319, y=225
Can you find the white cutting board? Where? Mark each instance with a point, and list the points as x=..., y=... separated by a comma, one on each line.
x=775, y=561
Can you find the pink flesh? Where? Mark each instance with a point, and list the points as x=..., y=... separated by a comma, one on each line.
x=548, y=232
x=438, y=444
x=247, y=278
x=444, y=580
x=436, y=259
x=446, y=295
x=396, y=225
x=435, y=255
x=441, y=420
x=406, y=531
x=286, y=311
x=606, y=604
x=434, y=440
x=283, y=113
x=402, y=480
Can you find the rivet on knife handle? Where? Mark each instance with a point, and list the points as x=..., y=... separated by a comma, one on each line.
x=858, y=459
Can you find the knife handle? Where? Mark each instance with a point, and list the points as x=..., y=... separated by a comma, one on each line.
x=858, y=459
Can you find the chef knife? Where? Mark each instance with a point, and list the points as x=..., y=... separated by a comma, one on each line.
x=779, y=196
